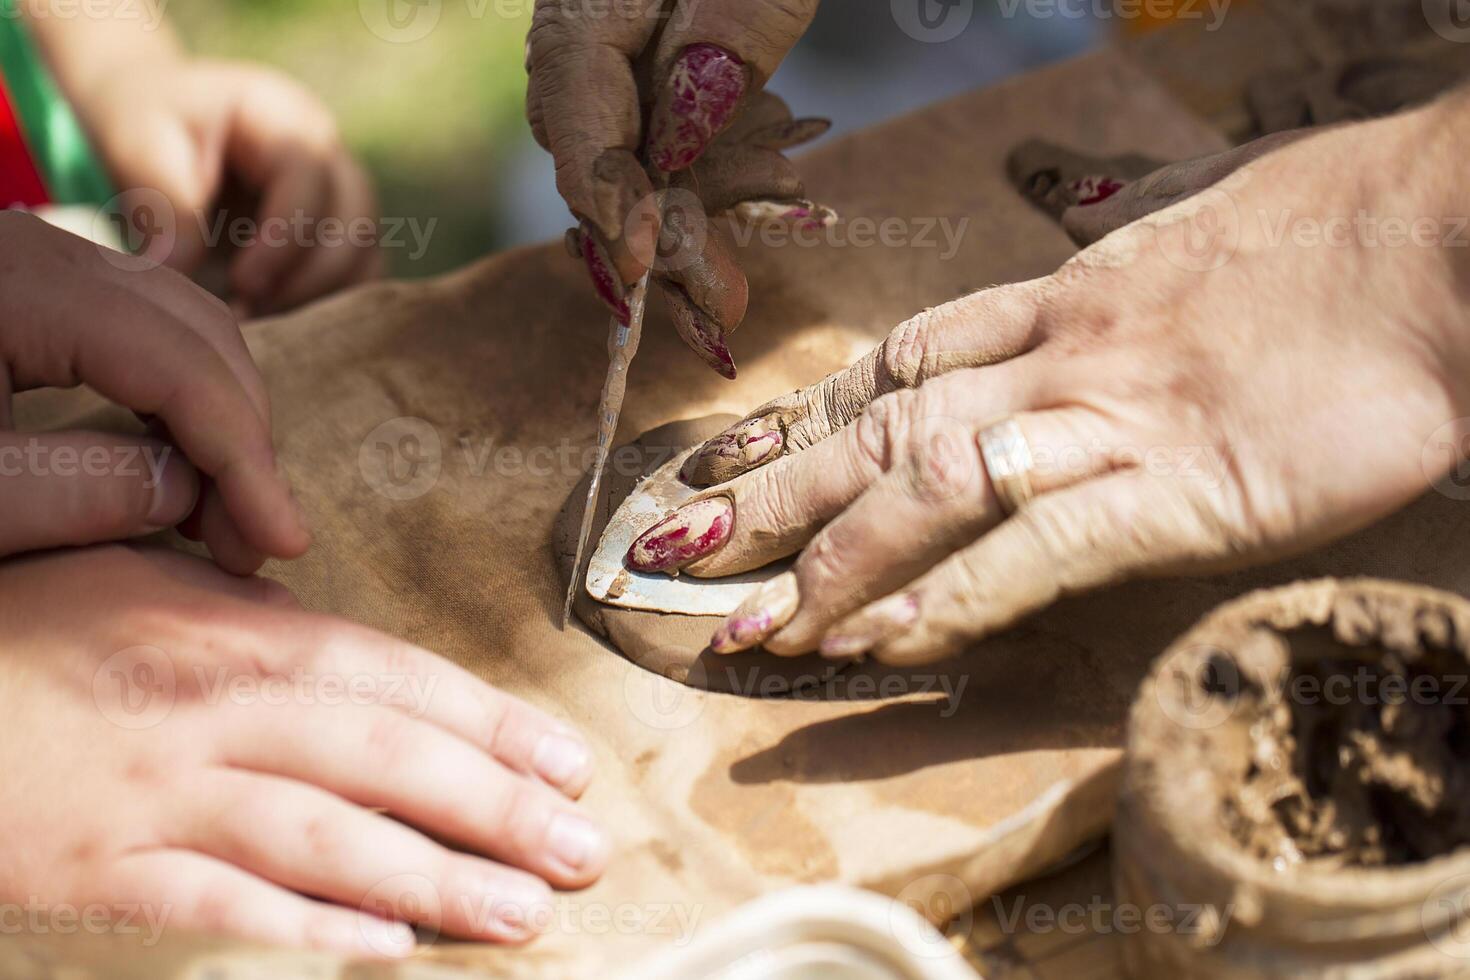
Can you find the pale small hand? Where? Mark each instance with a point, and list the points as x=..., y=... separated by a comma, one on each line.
x=191, y=752
x=190, y=130
x=151, y=341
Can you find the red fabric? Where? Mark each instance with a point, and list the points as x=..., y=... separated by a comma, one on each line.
x=20, y=182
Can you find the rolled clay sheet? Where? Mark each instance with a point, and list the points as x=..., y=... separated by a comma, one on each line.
x=610, y=581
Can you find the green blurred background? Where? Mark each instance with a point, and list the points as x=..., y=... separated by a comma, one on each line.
x=429, y=93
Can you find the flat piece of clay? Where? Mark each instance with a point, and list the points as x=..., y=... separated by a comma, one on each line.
x=611, y=582
x=638, y=622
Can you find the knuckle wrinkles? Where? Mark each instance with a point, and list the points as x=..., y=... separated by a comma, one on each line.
x=902, y=353
x=882, y=431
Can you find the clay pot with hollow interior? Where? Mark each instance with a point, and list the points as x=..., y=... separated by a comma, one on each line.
x=1296, y=794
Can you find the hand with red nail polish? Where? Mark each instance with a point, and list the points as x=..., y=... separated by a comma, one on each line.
x=153, y=342
x=1209, y=387
x=712, y=134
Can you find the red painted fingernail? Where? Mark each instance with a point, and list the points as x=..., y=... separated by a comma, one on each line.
x=760, y=616
x=1095, y=190
x=702, y=335
x=704, y=87
x=741, y=633
x=604, y=277
x=692, y=532
x=752, y=443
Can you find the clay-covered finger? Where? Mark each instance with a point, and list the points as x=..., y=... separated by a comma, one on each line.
x=278, y=829
x=729, y=175
x=1104, y=202
x=582, y=82
x=1073, y=540
x=937, y=500
x=710, y=57
x=766, y=121
x=984, y=328
x=774, y=511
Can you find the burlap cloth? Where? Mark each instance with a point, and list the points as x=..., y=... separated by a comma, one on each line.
x=434, y=429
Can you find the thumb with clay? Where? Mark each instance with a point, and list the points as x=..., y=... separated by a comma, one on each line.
x=670, y=92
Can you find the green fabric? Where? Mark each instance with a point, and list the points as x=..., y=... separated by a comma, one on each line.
x=63, y=153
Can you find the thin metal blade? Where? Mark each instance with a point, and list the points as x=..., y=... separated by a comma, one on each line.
x=622, y=347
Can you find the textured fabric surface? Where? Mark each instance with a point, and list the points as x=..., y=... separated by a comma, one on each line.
x=434, y=430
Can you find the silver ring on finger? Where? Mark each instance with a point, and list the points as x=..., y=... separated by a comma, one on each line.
x=1009, y=463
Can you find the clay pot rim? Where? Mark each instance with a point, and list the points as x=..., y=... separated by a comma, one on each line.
x=1235, y=869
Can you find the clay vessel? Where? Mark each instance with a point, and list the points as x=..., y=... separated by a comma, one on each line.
x=1223, y=713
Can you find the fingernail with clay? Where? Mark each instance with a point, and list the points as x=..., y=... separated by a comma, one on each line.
x=793, y=132
x=749, y=445
x=871, y=628
x=703, y=90
x=605, y=278
x=800, y=213
x=692, y=532
x=1095, y=190
x=174, y=495
x=576, y=843
x=560, y=760
x=702, y=335
x=760, y=617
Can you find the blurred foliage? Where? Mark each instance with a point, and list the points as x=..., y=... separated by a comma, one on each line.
x=435, y=119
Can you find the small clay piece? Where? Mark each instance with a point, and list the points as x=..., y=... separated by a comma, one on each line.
x=1297, y=786
x=674, y=646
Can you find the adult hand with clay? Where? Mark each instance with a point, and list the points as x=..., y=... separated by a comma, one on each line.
x=676, y=86
x=1241, y=376
x=234, y=755
x=149, y=340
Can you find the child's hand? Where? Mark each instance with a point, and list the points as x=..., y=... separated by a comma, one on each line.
x=187, y=751
x=147, y=338
x=189, y=130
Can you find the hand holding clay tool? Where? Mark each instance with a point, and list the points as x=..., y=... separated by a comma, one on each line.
x=622, y=347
